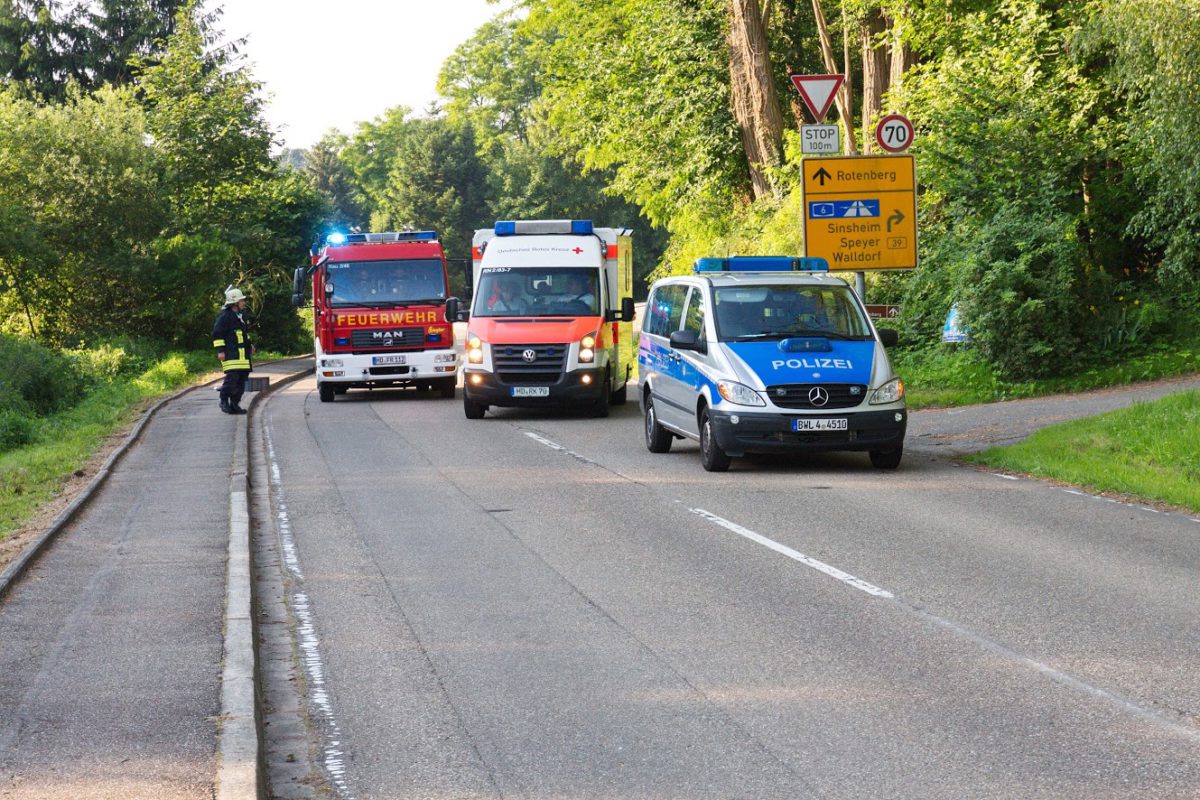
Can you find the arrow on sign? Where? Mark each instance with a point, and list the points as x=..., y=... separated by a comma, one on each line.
x=821, y=175
x=895, y=218
x=817, y=92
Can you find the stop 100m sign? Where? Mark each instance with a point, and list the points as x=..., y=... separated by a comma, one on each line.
x=894, y=133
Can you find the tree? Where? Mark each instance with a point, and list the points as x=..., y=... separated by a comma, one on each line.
x=755, y=102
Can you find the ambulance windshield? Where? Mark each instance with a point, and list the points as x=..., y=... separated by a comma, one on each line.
x=386, y=284
x=541, y=292
x=745, y=313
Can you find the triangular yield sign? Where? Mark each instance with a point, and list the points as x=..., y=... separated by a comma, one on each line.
x=818, y=91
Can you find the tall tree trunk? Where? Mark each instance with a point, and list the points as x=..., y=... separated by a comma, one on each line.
x=900, y=54
x=845, y=111
x=876, y=72
x=755, y=101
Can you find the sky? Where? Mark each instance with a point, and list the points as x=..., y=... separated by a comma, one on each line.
x=333, y=65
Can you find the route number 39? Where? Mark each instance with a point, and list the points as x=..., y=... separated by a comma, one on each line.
x=894, y=133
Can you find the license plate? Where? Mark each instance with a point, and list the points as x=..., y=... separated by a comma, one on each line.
x=531, y=391
x=820, y=424
x=377, y=360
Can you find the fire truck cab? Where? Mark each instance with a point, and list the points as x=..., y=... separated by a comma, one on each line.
x=380, y=310
x=550, y=319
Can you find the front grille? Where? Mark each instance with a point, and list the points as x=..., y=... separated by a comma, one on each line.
x=387, y=338
x=513, y=368
x=795, y=395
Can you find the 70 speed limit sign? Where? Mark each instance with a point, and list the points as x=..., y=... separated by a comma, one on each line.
x=894, y=133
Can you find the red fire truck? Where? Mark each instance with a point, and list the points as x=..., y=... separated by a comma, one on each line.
x=380, y=311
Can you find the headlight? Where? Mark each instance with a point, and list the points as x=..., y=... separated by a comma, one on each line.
x=587, y=353
x=890, y=392
x=474, y=349
x=739, y=393
x=331, y=362
x=445, y=358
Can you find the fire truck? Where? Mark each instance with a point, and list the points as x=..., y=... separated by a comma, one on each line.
x=550, y=323
x=380, y=311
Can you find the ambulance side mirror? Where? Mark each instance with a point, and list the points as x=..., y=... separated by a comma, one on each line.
x=888, y=336
x=625, y=314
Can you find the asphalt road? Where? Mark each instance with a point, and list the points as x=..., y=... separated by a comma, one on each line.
x=532, y=605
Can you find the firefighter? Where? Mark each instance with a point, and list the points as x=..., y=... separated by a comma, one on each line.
x=231, y=338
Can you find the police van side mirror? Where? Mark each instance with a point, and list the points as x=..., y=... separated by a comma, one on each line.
x=888, y=336
x=688, y=340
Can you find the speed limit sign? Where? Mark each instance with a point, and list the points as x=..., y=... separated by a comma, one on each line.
x=894, y=133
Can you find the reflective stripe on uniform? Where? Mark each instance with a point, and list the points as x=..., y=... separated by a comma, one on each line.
x=218, y=342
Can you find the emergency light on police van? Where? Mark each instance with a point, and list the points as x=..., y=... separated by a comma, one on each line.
x=393, y=236
x=761, y=264
x=577, y=227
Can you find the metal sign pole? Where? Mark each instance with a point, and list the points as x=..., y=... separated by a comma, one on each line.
x=860, y=285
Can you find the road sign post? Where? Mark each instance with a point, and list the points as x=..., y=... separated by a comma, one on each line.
x=860, y=212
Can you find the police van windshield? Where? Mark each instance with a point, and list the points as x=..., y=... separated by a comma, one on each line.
x=386, y=284
x=542, y=292
x=745, y=313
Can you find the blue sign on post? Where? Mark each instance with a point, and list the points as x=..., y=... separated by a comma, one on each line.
x=955, y=330
x=839, y=209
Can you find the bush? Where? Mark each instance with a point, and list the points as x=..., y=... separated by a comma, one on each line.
x=110, y=360
x=36, y=379
x=16, y=429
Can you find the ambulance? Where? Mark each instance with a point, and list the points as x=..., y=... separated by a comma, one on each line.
x=766, y=354
x=550, y=322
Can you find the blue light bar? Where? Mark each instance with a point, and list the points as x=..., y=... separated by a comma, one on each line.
x=506, y=228
x=581, y=227
x=392, y=236
x=544, y=227
x=335, y=238
x=761, y=264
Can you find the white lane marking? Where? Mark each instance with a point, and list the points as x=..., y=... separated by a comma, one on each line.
x=820, y=566
x=333, y=758
x=563, y=450
x=1006, y=477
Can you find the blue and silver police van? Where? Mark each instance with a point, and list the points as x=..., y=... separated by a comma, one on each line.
x=766, y=354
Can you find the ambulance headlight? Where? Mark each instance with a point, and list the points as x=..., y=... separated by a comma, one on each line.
x=587, y=351
x=890, y=392
x=474, y=349
x=739, y=393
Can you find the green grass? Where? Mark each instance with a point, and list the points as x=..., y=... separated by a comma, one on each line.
x=32, y=475
x=1150, y=450
x=953, y=376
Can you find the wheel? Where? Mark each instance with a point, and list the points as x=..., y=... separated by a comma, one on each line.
x=712, y=456
x=325, y=390
x=602, y=402
x=886, y=459
x=446, y=387
x=658, y=438
x=619, y=397
x=472, y=409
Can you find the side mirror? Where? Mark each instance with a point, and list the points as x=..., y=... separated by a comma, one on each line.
x=688, y=340
x=627, y=310
x=888, y=336
x=298, y=286
x=455, y=311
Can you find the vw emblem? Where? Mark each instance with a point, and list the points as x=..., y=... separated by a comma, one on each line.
x=529, y=355
x=818, y=396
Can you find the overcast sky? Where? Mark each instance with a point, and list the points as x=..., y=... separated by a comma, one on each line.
x=332, y=65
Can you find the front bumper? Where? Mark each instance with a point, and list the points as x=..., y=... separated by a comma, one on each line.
x=772, y=433
x=570, y=389
x=361, y=370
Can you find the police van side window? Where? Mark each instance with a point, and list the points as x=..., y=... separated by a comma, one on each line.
x=664, y=310
x=695, y=313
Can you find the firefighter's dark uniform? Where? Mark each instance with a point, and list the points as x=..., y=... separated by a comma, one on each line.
x=231, y=335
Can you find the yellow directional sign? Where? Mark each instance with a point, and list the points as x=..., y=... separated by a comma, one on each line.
x=860, y=212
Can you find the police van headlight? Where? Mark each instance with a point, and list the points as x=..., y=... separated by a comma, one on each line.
x=474, y=349
x=890, y=392
x=739, y=393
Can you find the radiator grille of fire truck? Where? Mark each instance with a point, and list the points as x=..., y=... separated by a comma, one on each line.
x=387, y=337
x=827, y=395
x=529, y=363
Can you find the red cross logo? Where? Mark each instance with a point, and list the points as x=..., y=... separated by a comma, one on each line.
x=577, y=250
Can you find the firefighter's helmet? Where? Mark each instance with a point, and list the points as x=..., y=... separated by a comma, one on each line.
x=233, y=295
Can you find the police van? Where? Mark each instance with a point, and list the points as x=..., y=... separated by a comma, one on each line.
x=766, y=354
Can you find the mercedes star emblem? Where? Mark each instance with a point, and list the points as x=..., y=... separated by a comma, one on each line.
x=818, y=396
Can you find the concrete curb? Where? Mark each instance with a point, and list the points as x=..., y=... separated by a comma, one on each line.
x=17, y=566
x=240, y=773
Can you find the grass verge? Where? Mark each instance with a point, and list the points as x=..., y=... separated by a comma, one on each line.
x=32, y=475
x=1150, y=450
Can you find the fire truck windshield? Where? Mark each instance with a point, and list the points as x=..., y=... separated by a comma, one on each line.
x=553, y=292
x=382, y=284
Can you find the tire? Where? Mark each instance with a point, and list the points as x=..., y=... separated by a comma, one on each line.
x=658, y=438
x=886, y=459
x=712, y=456
x=446, y=387
x=325, y=390
x=472, y=409
x=603, y=402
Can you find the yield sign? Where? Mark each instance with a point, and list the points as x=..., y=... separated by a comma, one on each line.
x=818, y=92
